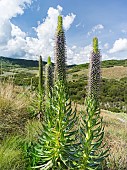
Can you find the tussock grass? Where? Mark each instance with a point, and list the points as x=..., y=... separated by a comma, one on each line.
x=11, y=155
x=14, y=102
x=32, y=129
x=11, y=99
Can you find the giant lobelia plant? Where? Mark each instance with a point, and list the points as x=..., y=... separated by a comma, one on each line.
x=56, y=147
x=92, y=151
x=91, y=125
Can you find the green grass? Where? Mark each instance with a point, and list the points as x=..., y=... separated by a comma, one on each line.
x=11, y=157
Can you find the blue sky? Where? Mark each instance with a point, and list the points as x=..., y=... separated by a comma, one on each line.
x=28, y=28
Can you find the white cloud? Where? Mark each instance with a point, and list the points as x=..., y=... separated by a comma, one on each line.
x=44, y=43
x=9, y=9
x=78, y=55
x=106, y=57
x=16, y=46
x=46, y=30
x=15, y=43
x=98, y=28
x=74, y=47
x=111, y=32
x=119, y=45
x=10, y=35
x=5, y=31
x=38, y=8
x=106, y=45
x=12, y=8
x=78, y=25
x=16, y=31
x=124, y=31
x=68, y=20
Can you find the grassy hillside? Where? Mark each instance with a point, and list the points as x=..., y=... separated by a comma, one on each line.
x=34, y=63
x=111, y=69
x=15, y=102
x=113, y=88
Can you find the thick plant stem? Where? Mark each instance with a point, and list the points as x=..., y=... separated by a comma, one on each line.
x=94, y=71
x=60, y=52
x=49, y=79
x=40, y=86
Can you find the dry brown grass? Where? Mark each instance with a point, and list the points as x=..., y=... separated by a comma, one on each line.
x=14, y=102
x=116, y=72
x=116, y=138
x=11, y=98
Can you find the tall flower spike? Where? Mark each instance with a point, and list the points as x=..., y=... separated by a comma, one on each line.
x=40, y=86
x=94, y=71
x=60, y=52
x=49, y=78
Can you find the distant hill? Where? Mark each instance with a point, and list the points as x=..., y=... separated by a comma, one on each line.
x=105, y=64
x=34, y=63
x=20, y=62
